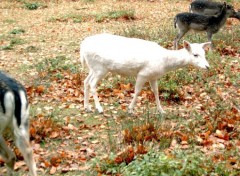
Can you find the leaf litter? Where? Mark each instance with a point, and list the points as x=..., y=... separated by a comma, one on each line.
x=66, y=140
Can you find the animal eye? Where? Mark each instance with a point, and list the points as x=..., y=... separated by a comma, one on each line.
x=195, y=55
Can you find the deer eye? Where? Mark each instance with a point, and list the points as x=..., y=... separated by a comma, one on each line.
x=195, y=55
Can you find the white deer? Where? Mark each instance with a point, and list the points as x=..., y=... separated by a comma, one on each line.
x=146, y=60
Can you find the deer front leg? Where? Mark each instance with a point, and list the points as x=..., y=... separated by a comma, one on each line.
x=178, y=38
x=154, y=87
x=138, y=87
x=209, y=36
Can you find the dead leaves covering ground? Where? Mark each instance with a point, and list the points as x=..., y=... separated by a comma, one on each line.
x=62, y=138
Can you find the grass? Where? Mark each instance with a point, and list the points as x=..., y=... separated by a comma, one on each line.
x=8, y=47
x=201, y=105
x=12, y=39
x=16, y=41
x=141, y=32
x=160, y=35
x=177, y=163
x=31, y=5
x=50, y=65
x=158, y=160
x=100, y=17
x=13, y=42
x=32, y=49
x=114, y=15
x=17, y=31
x=89, y=1
x=76, y=18
x=9, y=21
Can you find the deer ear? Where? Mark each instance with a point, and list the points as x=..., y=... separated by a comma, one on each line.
x=206, y=45
x=224, y=4
x=186, y=45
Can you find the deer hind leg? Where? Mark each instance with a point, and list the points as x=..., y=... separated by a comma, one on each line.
x=21, y=134
x=22, y=142
x=154, y=87
x=7, y=155
x=87, y=91
x=95, y=78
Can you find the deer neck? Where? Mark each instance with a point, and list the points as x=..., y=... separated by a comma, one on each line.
x=176, y=59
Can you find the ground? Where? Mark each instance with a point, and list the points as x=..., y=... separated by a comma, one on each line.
x=40, y=48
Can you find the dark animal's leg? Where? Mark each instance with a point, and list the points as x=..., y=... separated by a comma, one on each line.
x=178, y=38
x=209, y=36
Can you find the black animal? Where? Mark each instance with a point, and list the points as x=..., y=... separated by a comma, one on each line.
x=14, y=114
x=210, y=24
x=204, y=7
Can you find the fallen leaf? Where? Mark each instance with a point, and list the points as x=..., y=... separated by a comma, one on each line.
x=54, y=134
x=53, y=170
x=219, y=134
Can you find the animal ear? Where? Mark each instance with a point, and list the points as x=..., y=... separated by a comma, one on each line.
x=206, y=45
x=229, y=6
x=225, y=4
x=186, y=45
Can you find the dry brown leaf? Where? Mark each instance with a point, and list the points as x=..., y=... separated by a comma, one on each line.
x=53, y=170
x=220, y=134
x=54, y=134
x=19, y=164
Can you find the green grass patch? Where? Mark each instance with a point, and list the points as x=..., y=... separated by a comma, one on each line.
x=8, y=47
x=16, y=41
x=178, y=163
x=55, y=66
x=13, y=42
x=175, y=163
x=89, y=1
x=160, y=35
x=9, y=21
x=227, y=38
x=32, y=49
x=137, y=32
x=17, y=31
x=118, y=14
x=73, y=17
x=101, y=17
x=31, y=5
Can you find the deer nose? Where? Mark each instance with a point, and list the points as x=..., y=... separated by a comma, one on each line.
x=207, y=67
